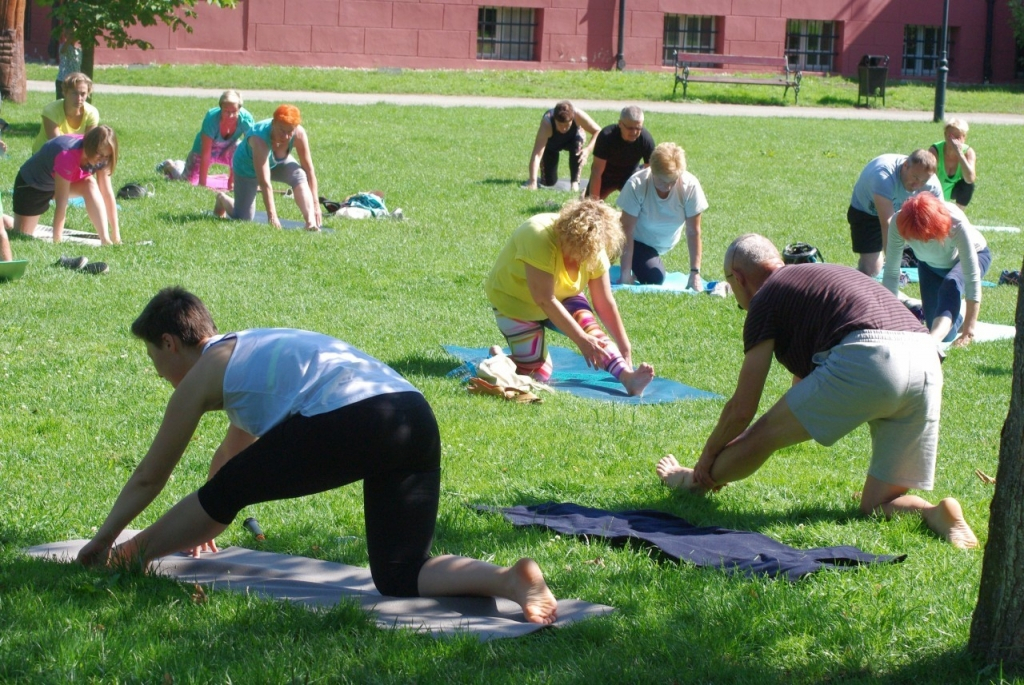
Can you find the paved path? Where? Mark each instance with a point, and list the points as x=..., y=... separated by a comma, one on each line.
x=545, y=103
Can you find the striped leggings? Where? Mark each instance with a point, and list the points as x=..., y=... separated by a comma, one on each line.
x=529, y=349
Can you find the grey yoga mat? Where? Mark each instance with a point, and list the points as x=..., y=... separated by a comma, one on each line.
x=315, y=583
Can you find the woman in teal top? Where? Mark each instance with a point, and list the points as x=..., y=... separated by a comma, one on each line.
x=223, y=128
x=264, y=156
x=957, y=165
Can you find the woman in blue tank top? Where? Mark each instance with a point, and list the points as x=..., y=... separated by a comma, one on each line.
x=265, y=155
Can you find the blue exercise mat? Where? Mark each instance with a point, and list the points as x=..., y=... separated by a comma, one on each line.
x=572, y=375
x=675, y=282
x=733, y=551
x=913, y=276
x=79, y=201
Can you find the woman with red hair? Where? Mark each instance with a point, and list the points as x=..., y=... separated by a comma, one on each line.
x=952, y=258
x=265, y=155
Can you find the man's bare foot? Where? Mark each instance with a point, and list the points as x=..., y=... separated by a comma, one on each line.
x=947, y=519
x=637, y=380
x=527, y=587
x=675, y=475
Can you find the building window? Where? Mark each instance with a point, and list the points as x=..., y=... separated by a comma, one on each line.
x=811, y=45
x=506, y=33
x=921, y=50
x=688, y=33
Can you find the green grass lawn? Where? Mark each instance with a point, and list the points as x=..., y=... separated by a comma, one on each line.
x=815, y=90
x=80, y=402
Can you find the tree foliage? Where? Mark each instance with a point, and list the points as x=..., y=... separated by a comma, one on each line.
x=111, y=21
x=1017, y=19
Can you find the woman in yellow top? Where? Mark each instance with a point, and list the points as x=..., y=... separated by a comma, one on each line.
x=538, y=283
x=70, y=115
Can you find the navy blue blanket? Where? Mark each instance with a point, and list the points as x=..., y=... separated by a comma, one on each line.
x=733, y=551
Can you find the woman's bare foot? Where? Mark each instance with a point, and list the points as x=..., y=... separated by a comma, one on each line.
x=637, y=380
x=222, y=205
x=675, y=475
x=527, y=587
x=947, y=519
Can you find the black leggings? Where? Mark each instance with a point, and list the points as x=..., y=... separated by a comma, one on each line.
x=647, y=266
x=549, y=160
x=390, y=442
x=962, y=192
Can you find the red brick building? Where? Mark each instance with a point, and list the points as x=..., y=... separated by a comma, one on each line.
x=816, y=35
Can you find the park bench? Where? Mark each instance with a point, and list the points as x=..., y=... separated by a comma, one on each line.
x=686, y=62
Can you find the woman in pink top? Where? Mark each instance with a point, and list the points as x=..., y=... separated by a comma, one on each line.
x=65, y=167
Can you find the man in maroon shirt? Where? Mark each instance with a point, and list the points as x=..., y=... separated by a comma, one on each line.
x=857, y=356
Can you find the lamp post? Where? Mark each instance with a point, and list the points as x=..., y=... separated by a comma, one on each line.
x=940, y=81
x=620, y=59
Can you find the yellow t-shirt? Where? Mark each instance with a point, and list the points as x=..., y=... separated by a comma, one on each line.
x=55, y=113
x=534, y=243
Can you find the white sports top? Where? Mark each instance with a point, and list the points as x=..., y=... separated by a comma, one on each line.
x=275, y=373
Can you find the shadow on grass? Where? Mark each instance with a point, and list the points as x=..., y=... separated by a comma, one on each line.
x=706, y=511
x=500, y=182
x=941, y=667
x=132, y=612
x=832, y=100
x=17, y=538
x=191, y=216
x=549, y=205
x=995, y=370
x=421, y=365
x=13, y=234
x=22, y=130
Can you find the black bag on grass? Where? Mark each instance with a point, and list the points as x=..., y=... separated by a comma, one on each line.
x=133, y=191
x=802, y=253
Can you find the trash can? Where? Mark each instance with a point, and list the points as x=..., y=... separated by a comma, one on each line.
x=872, y=72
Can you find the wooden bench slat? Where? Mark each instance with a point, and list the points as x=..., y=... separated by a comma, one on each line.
x=790, y=78
x=731, y=59
x=774, y=81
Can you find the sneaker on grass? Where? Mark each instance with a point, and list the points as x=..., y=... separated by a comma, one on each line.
x=73, y=263
x=95, y=268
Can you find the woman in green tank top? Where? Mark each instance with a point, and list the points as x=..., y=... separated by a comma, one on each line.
x=956, y=162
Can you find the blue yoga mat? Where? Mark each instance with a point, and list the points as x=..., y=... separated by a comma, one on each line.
x=913, y=276
x=572, y=375
x=733, y=551
x=79, y=201
x=675, y=282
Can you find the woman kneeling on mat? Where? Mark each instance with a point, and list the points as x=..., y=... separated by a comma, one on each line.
x=264, y=155
x=952, y=258
x=335, y=416
x=538, y=283
x=218, y=138
x=66, y=167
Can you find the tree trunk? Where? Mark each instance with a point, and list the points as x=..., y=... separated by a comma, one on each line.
x=12, y=50
x=997, y=631
x=88, y=59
